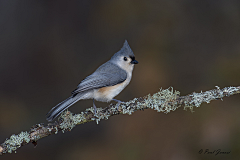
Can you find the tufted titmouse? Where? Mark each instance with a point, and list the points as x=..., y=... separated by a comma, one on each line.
x=104, y=84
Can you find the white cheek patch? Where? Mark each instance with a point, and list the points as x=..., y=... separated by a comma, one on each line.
x=128, y=67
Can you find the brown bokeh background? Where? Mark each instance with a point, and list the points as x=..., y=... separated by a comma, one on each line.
x=48, y=47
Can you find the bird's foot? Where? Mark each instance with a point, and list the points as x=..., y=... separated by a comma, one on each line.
x=118, y=103
x=95, y=109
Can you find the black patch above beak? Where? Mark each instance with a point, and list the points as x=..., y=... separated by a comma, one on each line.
x=134, y=62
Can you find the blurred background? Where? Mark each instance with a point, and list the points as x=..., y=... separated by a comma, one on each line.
x=48, y=47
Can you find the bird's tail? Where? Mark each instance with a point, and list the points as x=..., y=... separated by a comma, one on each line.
x=58, y=109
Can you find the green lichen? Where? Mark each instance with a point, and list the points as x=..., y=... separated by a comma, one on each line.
x=56, y=130
x=70, y=120
x=15, y=141
x=100, y=115
x=160, y=100
x=198, y=98
x=230, y=90
x=128, y=109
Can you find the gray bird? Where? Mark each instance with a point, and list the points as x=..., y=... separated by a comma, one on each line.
x=104, y=84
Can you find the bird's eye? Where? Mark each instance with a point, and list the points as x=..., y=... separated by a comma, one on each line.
x=125, y=58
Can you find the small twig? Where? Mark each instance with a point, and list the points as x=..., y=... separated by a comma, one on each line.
x=164, y=101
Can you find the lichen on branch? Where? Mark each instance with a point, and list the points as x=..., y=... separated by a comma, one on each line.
x=165, y=100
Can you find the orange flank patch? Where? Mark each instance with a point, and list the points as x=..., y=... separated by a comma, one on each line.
x=108, y=90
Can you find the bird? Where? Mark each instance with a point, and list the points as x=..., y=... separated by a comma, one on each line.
x=104, y=84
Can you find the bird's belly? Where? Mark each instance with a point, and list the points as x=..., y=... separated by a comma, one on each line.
x=106, y=94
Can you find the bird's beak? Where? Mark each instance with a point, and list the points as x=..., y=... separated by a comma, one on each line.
x=134, y=62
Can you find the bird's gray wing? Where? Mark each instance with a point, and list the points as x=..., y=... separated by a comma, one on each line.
x=106, y=75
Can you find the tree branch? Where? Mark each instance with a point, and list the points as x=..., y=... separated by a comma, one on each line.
x=164, y=101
